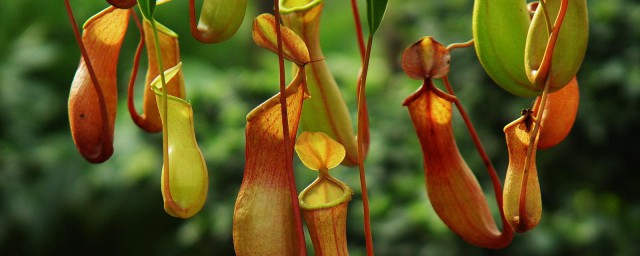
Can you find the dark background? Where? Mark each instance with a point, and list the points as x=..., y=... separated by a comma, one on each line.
x=52, y=202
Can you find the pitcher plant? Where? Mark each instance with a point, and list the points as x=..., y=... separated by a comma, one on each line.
x=530, y=50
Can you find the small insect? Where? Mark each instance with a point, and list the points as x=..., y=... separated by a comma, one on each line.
x=530, y=118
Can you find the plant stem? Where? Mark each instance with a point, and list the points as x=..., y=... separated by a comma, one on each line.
x=460, y=45
x=356, y=17
x=545, y=69
x=134, y=73
x=288, y=149
x=363, y=136
x=362, y=127
x=522, y=207
x=497, y=186
x=165, y=110
x=92, y=74
x=83, y=50
x=545, y=66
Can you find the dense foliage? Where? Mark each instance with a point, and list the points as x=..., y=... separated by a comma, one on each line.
x=53, y=202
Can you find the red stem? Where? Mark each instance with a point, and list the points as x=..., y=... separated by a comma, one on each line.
x=545, y=69
x=497, y=186
x=92, y=73
x=288, y=149
x=362, y=128
x=356, y=18
x=454, y=46
x=136, y=64
x=365, y=136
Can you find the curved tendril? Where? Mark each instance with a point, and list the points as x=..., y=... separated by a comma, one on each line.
x=136, y=64
x=92, y=73
x=460, y=45
x=497, y=186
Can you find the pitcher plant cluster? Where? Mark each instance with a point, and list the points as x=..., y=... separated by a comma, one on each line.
x=528, y=49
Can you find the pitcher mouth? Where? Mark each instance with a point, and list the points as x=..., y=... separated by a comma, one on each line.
x=325, y=192
x=290, y=6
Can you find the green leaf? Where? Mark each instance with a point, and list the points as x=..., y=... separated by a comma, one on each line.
x=375, y=12
x=147, y=7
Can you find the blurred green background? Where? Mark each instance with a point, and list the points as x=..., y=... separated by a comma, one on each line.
x=52, y=202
